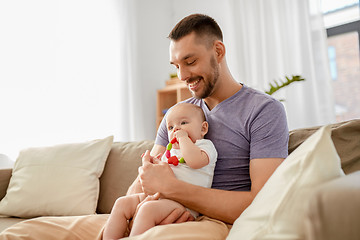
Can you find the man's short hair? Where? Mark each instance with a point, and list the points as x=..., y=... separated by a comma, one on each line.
x=201, y=24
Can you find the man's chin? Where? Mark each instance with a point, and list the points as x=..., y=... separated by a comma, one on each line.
x=195, y=95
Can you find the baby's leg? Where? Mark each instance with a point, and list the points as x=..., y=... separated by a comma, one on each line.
x=123, y=210
x=152, y=213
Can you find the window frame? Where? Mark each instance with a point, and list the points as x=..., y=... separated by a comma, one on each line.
x=345, y=28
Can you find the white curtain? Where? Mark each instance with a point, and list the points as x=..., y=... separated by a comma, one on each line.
x=61, y=72
x=271, y=39
x=131, y=101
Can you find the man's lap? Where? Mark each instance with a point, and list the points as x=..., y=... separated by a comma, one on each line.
x=91, y=227
x=202, y=228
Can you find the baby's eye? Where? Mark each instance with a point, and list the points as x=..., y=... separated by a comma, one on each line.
x=170, y=127
x=183, y=122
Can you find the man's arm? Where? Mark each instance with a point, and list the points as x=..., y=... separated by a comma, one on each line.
x=220, y=204
x=135, y=187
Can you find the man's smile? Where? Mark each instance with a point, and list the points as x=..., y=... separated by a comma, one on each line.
x=193, y=85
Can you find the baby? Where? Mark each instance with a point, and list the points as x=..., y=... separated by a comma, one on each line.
x=187, y=126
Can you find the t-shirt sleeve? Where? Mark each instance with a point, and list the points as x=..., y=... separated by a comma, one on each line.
x=208, y=147
x=162, y=134
x=269, y=132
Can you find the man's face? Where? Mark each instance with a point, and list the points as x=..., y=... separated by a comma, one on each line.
x=196, y=65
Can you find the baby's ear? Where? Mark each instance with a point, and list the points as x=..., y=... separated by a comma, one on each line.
x=204, y=128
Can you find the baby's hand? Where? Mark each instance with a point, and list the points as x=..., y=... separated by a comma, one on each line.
x=181, y=133
x=147, y=158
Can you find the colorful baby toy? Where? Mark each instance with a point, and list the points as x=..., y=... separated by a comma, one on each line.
x=173, y=159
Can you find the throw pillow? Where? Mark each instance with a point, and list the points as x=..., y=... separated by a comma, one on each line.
x=56, y=181
x=277, y=211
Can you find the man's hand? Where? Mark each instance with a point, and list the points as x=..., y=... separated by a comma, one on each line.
x=155, y=176
x=176, y=217
x=152, y=177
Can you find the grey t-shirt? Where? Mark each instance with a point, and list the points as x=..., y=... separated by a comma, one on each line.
x=248, y=125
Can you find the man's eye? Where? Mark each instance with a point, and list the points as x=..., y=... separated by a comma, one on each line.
x=192, y=62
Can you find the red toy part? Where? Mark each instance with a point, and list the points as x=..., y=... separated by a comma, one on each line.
x=167, y=154
x=174, y=140
x=173, y=160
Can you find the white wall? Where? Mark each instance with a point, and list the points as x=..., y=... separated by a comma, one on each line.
x=153, y=26
x=58, y=72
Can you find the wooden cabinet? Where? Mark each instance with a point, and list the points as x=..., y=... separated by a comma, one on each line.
x=174, y=92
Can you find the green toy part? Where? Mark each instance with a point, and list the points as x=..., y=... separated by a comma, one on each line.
x=172, y=159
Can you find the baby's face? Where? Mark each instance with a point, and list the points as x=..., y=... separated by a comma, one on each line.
x=186, y=118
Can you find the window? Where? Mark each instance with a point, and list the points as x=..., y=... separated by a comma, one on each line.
x=342, y=23
x=332, y=62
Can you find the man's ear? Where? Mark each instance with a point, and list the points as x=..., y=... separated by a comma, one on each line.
x=219, y=50
x=204, y=128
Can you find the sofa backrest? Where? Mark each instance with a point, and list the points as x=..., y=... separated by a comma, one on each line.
x=120, y=171
x=346, y=138
x=124, y=159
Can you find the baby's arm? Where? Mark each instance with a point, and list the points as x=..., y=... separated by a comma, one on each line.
x=152, y=213
x=193, y=155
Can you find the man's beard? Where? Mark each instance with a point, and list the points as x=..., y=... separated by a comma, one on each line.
x=209, y=85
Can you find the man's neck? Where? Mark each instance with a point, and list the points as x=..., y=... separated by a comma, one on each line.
x=226, y=88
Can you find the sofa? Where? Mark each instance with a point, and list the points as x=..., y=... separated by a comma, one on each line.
x=331, y=209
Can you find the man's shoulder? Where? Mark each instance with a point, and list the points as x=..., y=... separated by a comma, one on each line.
x=192, y=100
x=249, y=100
x=254, y=94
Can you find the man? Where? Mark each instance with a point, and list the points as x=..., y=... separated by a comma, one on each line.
x=248, y=129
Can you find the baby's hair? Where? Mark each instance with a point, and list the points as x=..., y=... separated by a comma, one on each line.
x=200, y=110
x=196, y=107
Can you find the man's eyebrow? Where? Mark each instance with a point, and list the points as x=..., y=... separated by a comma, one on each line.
x=188, y=56
x=184, y=58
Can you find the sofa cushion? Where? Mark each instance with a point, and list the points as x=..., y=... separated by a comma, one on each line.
x=120, y=171
x=6, y=222
x=277, y=212
x=333, y=211
x=5, y=175
x=345, y=136
x=57, y=180
x=87, y=227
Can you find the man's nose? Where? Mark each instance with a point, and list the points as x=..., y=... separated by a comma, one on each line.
x=183, y=74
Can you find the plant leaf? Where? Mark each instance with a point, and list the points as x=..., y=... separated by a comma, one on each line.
x=273, y=89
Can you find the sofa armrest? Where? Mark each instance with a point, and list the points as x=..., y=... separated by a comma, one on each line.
x=334, y=210
x=5, y=175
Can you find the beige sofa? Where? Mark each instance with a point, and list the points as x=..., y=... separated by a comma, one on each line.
x=334, y=212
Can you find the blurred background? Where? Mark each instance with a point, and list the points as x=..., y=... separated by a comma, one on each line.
x=79, y=70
